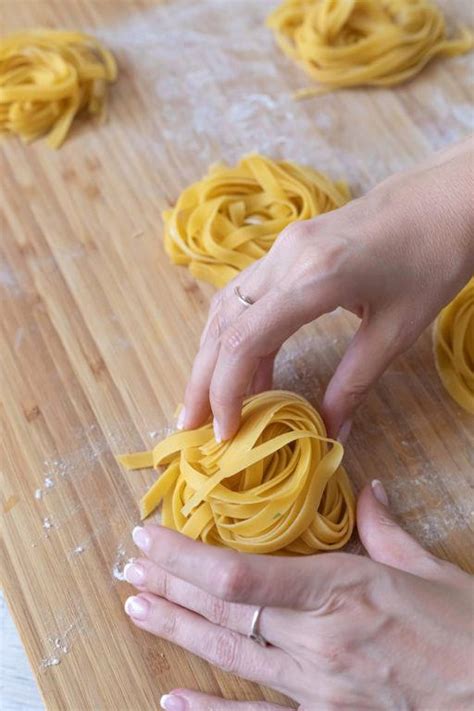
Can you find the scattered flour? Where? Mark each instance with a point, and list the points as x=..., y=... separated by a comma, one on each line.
x=47, y=523
x=205, y=95
x=444, y=516
x=121, y=559
x=60, y=644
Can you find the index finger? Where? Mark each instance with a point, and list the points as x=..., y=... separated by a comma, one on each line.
x=225, y=307
x=298, y=583
x=258, y=332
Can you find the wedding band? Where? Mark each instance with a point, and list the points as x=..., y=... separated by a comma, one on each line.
x=255, y=635
x=245, y=300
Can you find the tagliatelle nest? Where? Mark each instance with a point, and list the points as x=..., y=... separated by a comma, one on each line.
x=48, y=77
x=343, y=43
x=276, y=486
x=229, y=219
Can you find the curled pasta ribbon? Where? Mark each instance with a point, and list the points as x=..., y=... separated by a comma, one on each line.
x=454, y=347
x=278, y=485
x=343, y=43
x=46, y=78
x=230, y=218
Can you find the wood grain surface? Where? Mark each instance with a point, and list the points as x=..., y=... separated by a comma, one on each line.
x=98, y=331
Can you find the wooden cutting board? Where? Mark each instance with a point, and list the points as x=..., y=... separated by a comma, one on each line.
x=99, y=331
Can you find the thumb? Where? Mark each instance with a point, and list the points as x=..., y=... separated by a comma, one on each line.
x=186, y=700
x=370, y=352
x=385, y=541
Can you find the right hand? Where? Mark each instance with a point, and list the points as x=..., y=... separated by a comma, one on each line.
x=394, y=258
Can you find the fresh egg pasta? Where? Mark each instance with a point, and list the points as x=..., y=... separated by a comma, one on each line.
x=454, y=347
x=344, y=43
x=48, y=77
x=277, y=486
x=224, y=222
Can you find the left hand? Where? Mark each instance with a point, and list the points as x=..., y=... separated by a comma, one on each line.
x=344, y=631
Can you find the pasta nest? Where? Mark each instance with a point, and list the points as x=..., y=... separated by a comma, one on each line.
x=343, y=43
x=224, y=222
x=454, y=347
x=47, y=77
x=277, y=486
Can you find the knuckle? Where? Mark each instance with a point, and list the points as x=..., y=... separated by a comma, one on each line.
x=232, y=581
x=353, y=393
x=216, y=301
x=216, y=610
x=217, y=327
x=296, y=233
x=165, y=585
x=225, y=651
x=330, y=259
x=234, y=341
x=171, y=559
x=333, y=653
x=169, y=623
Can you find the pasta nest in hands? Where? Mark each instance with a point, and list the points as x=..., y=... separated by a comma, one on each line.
x=343, y=43
x=454, y=347
x=276, y=486
x=224, y=222
x=47, y=77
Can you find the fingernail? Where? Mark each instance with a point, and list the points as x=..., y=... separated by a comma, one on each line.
x=137, y=607
x=141, y=538
x=134, y=574
x=379, y=492
x=180, y=420
x=217, y=431
x=344, y=432
x=170, y=702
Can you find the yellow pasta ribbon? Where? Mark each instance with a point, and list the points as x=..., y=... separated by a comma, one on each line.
x=223, y=223
x=277, y=486
x=47, y=77
x=454, y=347
x=343, y=43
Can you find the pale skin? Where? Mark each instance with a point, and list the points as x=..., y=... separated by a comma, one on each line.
x=392, y=631
x=394, y=258
x=345, y=632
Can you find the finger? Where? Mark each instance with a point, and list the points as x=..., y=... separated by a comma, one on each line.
x=222, y=647
x=226, y=295
x=298, y=583
x=225, y=309
x=386, y=542
x=197, y=407
x=375, y=345
x=187, y=700
x=263, y=378
x=254, y=336
x=273, y=623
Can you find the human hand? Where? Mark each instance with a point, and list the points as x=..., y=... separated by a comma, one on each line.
x=344, y=631
x=394, y=258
